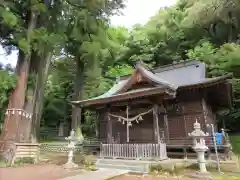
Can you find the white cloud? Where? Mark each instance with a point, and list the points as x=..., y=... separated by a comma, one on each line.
x=139, y=11
x=136, y=12
x=8, y=59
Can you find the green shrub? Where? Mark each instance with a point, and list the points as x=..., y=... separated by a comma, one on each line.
x=235, y=141
x=22, y=161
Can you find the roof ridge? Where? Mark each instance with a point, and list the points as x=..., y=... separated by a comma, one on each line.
x=167, y=67
x=176, y=65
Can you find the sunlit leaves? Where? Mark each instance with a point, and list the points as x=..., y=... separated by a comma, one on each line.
x=8, y=17
x=39, y=8
x=120, y=70
x=23, y=45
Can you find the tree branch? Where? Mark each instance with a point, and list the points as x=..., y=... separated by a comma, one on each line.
x=75, y=5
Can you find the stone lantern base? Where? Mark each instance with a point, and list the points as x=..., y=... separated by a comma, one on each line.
x=201, y=175
x=70, y=165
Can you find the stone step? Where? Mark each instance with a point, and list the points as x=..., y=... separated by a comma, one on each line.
x=131, y=166
x=101, y=174
x=134, y=169
x=124, y=162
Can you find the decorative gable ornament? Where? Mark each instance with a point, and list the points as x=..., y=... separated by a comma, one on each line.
x=139, y=78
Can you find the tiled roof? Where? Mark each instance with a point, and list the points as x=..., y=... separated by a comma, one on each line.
x=175, y=76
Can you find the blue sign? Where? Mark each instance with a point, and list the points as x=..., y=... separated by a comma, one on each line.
x=219, y=138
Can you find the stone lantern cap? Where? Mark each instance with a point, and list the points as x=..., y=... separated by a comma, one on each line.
x=73, y=139
x=197, y=131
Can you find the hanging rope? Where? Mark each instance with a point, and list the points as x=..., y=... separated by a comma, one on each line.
x=136, y=118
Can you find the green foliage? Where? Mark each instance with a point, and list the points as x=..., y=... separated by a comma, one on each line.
x=6, y=86
x=235, y=141
x=23, y=45
x=8, y=17
x=23, y=161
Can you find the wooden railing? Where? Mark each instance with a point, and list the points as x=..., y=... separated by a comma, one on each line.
x=134, y=151
x=188, y=142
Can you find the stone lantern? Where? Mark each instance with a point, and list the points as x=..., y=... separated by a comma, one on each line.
x=72, y=141
x=199, y=146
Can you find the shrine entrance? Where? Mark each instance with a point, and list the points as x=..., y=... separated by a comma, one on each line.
x=133, y=133
x=133, y=126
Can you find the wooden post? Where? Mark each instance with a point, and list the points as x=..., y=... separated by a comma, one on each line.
x=156, y=124
x=127, y=124
x=205, y=113
x=166, y=129
x=109, y=129
x=97, y=125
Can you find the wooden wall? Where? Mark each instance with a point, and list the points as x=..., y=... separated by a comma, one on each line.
x=192, y=106
x=102, y=125
x=181, y=114
x=141, y=132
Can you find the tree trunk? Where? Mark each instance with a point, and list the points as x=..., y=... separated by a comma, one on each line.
x=77, y=94
x=38, y=100
x=17, y=98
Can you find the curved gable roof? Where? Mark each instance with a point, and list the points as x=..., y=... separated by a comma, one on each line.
x=124, y=85
x=171, y=78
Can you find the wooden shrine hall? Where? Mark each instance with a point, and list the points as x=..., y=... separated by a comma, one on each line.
x=152, y=110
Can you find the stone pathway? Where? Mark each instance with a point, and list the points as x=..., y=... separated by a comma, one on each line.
x=101, y=174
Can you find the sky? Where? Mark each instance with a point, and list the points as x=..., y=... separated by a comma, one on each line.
x=135, y=12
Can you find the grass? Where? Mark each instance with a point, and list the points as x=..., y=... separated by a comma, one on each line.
x=59, y=158
x=235, y=141
x=227, y=177
x=3, y=164
x=18, y=162
x=53, y=142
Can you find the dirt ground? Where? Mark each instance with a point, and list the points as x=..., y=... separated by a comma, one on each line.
x=36, y=172
x=150, y=177
x=166, y=177
x=49, y=170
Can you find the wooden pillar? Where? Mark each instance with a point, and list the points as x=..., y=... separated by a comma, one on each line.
x=97, y=124
x=166, y=128
x=156, y=124
x=185, y=121
x=127, y=124
x=109, y=128
x=205, y=114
